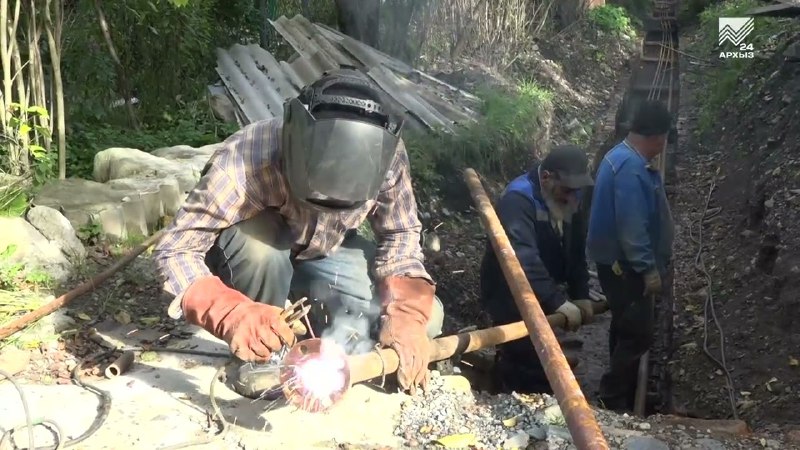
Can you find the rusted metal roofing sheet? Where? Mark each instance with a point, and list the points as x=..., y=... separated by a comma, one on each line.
x=259, y=84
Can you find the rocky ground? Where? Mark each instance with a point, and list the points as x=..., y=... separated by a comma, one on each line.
x=740, y=180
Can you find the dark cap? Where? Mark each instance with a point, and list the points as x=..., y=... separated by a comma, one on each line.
x=571, y=165
x=652, y=118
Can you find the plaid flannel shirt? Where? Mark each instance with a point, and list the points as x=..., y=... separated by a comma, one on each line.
x=244, y=178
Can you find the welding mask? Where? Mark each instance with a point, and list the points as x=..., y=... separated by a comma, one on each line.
x=338, y=142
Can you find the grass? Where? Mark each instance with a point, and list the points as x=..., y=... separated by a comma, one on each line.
x=505, y=137
x=724, y=79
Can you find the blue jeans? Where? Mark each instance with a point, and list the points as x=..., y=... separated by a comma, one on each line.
x=254, y=257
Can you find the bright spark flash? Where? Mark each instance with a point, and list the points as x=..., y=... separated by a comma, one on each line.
x=320, y=377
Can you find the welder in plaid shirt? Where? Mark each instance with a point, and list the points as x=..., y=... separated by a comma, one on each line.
x=275, y=215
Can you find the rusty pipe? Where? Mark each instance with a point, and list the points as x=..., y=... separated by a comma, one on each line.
x=366, y=366
x=120, y=365
x=580, y=418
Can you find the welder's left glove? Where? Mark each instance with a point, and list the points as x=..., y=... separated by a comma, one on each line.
x=406, y=308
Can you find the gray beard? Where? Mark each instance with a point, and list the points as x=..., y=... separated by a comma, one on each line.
x=559, y=212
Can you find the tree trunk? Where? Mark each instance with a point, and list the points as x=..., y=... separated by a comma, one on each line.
x=54, y=42
x=112, y=50
x=360, y=20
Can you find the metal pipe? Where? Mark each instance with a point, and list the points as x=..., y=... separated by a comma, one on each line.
x=120, y=365
x=640, y=401
x=583, y=426
x=367, y=366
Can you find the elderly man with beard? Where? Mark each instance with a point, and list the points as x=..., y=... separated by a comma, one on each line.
x=539, y=211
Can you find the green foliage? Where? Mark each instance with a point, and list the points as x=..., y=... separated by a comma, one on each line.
x=26, y=132
x=194, y=125
x=13, y=198
x=611, y=19
x=724, y=79
x=503, y=139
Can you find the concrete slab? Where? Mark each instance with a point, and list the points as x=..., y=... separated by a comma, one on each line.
x=164, y=400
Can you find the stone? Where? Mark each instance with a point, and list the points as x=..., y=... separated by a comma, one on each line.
x=85, y=202
x=183, y=163
x=55, y=227
x=14, y=360
x=518, y=440
x=553, y=415
x=724, y=427
x=537, y=432
x=710, y=444
x=456, y=383
x=793, y=436
x=194, y=157
x=645, y=443
x=31, y=249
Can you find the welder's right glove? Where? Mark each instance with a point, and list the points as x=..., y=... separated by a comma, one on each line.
x=407, y=304
x=652, y=282
x=252, y=330
x=573, y=315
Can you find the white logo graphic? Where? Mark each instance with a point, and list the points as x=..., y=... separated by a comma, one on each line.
x=735, y=29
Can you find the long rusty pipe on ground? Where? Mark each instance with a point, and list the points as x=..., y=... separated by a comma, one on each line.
x=367, y=366
x=580, y=418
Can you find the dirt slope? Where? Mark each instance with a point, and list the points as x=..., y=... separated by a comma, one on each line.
x=751, y=249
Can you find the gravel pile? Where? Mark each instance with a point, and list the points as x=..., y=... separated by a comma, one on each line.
x=454, y=416
x=450, y=416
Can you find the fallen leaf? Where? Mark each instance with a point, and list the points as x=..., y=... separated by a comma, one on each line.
x=148, y=356
x=122, y=317
x=793, y=361
x=510, y=422
x=84, y=316
x=425, y=429
x=149, y=321
x=458, y=440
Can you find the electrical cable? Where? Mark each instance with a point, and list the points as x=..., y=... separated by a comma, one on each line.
x=104, y=408
x=708, y=308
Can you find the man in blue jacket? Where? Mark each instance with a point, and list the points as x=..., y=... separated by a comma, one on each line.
x=539, y=211
x=630, y=239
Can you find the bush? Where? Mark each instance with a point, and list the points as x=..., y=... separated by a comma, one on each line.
x=611, y=19
x=194, y=125
x=504, y=139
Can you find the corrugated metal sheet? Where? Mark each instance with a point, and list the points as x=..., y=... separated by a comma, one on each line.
x=259, y=84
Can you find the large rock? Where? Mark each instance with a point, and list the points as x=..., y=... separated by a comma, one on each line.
x=32, y=249
x=55, y=227
x=116, y=163
x=132, y=190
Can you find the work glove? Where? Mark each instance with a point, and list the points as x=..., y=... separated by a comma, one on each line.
x=406, y=308
x=587, y=309
x=652, y=282
x=252, y=330
x=573, y=314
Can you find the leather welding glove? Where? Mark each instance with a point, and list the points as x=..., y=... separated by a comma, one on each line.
x=573, y=315
x=652, y=283
x=252, y=330
x=587, y=309
x=406, y=308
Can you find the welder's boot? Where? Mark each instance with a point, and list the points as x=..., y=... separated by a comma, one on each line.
x=257, y=380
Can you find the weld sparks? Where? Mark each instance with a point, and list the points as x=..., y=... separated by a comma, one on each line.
x=319, y=377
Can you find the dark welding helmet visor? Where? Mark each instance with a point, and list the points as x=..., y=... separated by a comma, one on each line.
x=334, y=163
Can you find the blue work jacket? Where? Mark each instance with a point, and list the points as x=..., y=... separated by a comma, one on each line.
x=549, y=260
x=630, y=220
